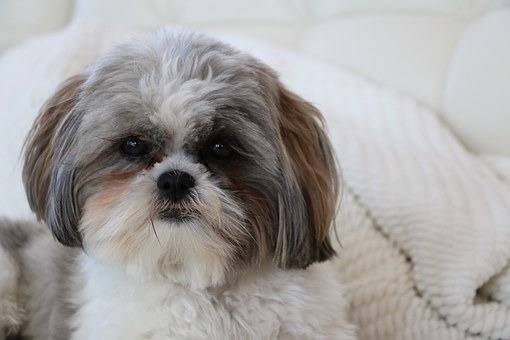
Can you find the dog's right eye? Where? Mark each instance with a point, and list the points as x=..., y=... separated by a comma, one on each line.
x=134, y=147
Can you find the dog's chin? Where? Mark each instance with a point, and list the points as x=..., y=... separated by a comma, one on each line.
x=175, y=246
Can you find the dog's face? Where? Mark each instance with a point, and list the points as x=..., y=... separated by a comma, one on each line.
x=184, y=158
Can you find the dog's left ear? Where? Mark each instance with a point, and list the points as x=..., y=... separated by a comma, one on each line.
x=308, y=201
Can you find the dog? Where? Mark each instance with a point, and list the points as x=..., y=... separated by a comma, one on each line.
x=184, y=193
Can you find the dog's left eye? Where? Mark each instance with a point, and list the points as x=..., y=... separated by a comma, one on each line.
x=135, y=147
x=221, y=149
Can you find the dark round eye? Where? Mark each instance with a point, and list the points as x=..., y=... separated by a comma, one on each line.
x=135, y=147
x=221, y=149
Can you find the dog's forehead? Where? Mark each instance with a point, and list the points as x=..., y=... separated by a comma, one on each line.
x=178, y=107
x=175, y=88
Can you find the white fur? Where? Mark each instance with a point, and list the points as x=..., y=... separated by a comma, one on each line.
x=267, y=304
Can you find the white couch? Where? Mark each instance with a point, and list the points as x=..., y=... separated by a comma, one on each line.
x=425, y=223
x=451, y=55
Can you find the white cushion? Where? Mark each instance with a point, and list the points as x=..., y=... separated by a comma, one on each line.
x=156, y=12
x=153, y=13
x=409, y=53
x=459, y=8
x=22, y=19
x=477, y=94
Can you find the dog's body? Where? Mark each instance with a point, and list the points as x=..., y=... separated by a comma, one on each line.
x=266, y=304
x=188, y=190
x=60, y=293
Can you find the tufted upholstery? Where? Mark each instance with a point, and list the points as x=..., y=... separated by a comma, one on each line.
x=451, y=55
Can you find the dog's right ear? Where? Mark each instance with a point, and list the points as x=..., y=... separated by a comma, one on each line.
x=40, y=152
x=312, y=190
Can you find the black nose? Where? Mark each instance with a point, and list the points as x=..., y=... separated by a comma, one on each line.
x=175, y=184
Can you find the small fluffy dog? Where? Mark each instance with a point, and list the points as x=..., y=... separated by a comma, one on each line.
x=188, y=190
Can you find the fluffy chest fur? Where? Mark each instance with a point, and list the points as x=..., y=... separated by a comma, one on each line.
x=268, y=304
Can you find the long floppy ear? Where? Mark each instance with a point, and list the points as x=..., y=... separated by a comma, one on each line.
x=309, y=202
x=49, y=193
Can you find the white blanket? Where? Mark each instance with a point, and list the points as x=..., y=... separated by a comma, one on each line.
x=424, y=227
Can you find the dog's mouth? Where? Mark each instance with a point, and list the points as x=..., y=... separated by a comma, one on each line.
x=177, y=214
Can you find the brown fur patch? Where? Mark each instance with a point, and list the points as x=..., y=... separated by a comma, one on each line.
x=99, y=206
x=312, y=160
x=107, y=197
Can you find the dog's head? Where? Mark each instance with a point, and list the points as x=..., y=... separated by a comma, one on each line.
x=182, y=157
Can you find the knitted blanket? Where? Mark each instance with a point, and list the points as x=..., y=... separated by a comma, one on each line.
x=424, y=225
